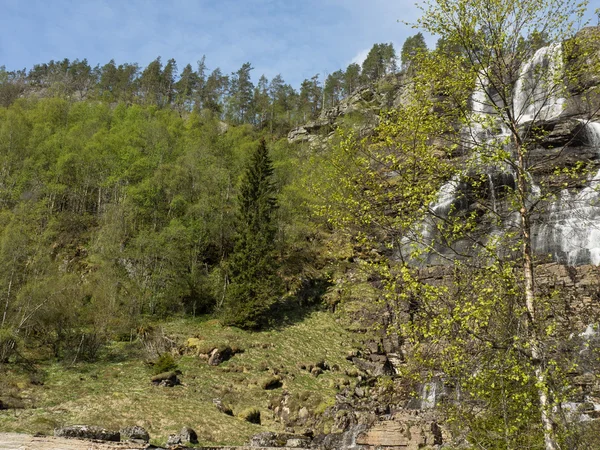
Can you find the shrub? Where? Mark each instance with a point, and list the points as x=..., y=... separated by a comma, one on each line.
x=164, y=363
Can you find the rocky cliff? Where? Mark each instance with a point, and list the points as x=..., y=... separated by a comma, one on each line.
x=566, y=239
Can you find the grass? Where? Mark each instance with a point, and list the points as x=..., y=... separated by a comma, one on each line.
x=116, y=391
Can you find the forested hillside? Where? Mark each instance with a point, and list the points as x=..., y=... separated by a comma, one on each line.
x=443, y=213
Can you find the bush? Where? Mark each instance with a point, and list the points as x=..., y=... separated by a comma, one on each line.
x=164, y=363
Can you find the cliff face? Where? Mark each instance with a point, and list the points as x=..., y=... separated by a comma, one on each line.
x=565, y=134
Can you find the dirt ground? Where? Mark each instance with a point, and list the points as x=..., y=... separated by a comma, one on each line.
x=17, y=441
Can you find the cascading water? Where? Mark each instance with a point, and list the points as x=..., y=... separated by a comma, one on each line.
x=571, y=230
x=536, y=95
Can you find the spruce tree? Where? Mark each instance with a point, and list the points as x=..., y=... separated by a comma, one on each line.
x=254, y=285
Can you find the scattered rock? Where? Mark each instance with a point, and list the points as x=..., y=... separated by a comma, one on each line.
x=298, y=442
x=270, y=439
x=173, y=439
x=87, y=432
x=219, y=355
x=134, y=433
x=265, y=439
x=303, y=413
x=323, y=365
x=222, y=407
x=375, y=368
x=188, y=435
x=316, y=371
x=168, y=379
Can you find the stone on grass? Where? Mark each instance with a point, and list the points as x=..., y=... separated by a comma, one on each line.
x=87, y=432
x=134, y=433
x=222, y=407
x=188, y=436
x=168, y=379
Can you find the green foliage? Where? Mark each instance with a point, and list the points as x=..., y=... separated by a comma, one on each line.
x=411, y=50
x=380, y=61
x=254, y=284
x=164, y=363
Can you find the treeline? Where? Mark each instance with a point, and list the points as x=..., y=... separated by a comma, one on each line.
x=120, y=197
x=271, y=104
x=110, y=214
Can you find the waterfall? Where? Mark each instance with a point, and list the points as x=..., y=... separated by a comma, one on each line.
x=571, y=231
x=535, y=96
x=428, y=395
x=447, y=196
x=492, y=192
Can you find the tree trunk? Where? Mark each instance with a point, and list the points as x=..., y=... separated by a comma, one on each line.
x=533, y=340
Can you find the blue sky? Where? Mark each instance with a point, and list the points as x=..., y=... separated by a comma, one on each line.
x=295, y=38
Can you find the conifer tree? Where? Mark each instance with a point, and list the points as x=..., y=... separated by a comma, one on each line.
x=253, y=280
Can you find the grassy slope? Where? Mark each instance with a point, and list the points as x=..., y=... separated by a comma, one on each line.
x=116, y=391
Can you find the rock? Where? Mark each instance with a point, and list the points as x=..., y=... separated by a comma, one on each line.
x=265, y=439
x=134, y=433
x=298, y=442
x=585, y=379
x=375, y=369
x=219, y=355
x=323, y=365
x=270, y=439
x=173, y=439
x=168, y=379
x=404, y=431
x=87, y=432
x=303, y=413
x=316, y=371
x=188, y=435
x=373, y=347
x=353, y=354
x=222, y=407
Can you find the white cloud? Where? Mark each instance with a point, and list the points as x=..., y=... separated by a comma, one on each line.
x=360, y=57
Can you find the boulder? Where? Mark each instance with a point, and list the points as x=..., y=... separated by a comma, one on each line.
x=375, y=368
x=265, y=439
x=188, y=436
x=134, y=433
x=173, y=440
x=219, y=355
x=168, y=379
x=87, y=432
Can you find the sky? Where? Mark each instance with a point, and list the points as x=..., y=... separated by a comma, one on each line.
x=294, y=38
